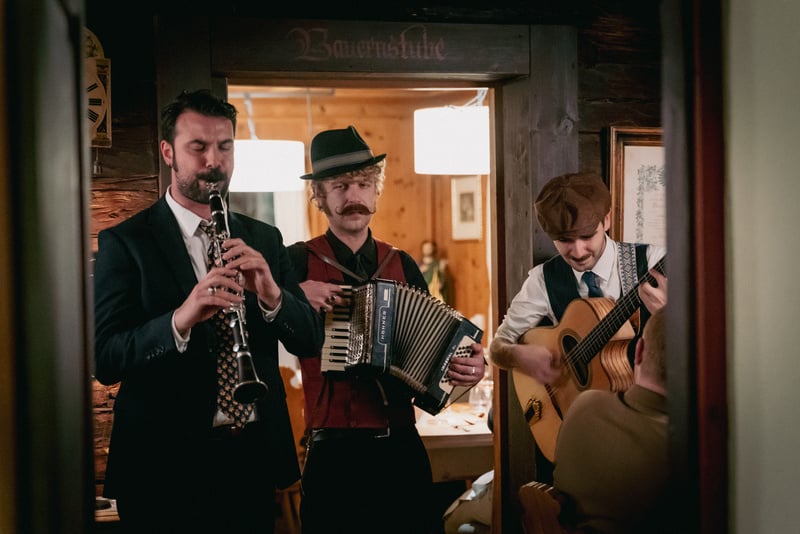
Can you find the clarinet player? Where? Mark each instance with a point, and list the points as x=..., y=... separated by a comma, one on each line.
x=179, y=461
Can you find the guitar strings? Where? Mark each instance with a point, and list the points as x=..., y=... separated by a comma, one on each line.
x=589, y=346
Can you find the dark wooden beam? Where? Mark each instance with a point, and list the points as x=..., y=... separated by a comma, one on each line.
x=540, y=141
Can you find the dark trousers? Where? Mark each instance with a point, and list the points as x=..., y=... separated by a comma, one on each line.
x=217, y=487
x=365, y=484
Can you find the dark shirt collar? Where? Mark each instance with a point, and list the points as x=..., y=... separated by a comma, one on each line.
x=368, y=250
x=345, y=256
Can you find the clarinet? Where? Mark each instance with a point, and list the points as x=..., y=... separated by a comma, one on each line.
x=248, y=388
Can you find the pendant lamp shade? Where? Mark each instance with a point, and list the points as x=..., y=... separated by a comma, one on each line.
x=452, y=140
x=262, y=165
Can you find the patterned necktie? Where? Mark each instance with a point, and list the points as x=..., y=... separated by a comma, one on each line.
x=227, y=368
x=591, y=281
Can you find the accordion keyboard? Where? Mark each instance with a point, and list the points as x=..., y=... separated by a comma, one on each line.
x=338, y=325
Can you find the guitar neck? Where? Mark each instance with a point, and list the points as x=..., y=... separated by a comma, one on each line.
x=613, y=320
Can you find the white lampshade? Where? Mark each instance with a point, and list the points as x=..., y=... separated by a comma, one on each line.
x=451, y=140
x=268, y=165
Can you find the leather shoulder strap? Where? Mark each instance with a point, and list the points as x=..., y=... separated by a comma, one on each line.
x=321, y=265
x=390, y=262
x=628, y=271
x=320, y=248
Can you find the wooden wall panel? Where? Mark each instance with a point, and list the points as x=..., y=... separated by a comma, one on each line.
x=413, y=207
x=619, y=79
x=113, y=200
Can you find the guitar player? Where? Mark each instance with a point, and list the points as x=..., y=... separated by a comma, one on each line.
x=575, y=212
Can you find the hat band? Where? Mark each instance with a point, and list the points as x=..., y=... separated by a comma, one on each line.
x=341, y=160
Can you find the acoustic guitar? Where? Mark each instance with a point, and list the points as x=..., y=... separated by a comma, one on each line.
x=588, y=328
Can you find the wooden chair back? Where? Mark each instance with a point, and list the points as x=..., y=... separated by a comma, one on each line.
x=540, y=509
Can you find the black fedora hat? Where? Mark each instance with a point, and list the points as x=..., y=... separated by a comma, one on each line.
x=335, y=152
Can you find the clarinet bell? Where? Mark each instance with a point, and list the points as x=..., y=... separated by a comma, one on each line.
x=249, y=388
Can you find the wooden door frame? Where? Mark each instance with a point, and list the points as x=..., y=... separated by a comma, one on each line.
x=692, y=104
x=185, y=52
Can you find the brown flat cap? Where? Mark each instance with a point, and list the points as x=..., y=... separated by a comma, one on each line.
x=572, y=205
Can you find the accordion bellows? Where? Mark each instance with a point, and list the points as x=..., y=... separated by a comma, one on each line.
x=390, y=327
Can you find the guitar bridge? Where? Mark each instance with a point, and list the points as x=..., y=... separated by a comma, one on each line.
x=533, y=410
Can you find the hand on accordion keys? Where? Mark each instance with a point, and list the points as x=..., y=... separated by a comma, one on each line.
x=468, y=370
x=321, y=295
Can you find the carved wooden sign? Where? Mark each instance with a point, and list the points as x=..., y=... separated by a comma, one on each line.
x=245, y=46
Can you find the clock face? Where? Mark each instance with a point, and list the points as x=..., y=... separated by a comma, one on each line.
x=96, y=101
x=97, y=77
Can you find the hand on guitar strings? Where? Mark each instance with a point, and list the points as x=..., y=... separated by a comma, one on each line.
x=537, y=361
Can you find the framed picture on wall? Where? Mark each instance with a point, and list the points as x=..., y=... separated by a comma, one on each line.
x=466, y=207
x=637, y=182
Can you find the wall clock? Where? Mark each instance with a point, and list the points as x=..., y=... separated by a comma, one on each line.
x=97, y=84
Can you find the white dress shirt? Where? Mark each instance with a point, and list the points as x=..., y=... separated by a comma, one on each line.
x=531, y=304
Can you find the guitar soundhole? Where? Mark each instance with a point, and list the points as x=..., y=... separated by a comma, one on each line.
x=577, y=368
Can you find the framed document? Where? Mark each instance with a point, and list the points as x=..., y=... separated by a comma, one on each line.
x=638, y=185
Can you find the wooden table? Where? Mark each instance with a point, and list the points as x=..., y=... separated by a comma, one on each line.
x=106, y=519
x=459, y=443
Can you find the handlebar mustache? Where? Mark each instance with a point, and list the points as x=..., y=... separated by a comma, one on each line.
x=355, y=208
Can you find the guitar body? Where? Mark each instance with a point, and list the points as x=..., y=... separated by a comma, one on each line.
x=544, y=406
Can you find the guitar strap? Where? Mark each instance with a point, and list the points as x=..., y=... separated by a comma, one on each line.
x=626, y=256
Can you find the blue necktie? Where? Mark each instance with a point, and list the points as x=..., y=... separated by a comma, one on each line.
x=591, y=281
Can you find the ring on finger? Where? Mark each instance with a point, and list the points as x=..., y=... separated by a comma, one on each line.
x=212, y=291
x=473, y=370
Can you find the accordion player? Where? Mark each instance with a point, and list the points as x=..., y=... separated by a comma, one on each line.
x=389, y=327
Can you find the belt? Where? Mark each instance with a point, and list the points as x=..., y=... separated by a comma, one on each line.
x=226, y=431
x=342, y=434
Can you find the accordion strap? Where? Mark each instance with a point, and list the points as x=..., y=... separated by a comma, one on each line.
x=345, y=270
x=384, y=263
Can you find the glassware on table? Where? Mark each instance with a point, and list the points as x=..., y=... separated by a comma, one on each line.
x=480, y=396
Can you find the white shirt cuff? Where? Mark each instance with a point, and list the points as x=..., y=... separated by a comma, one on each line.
x=180, y=342
x=269, y=315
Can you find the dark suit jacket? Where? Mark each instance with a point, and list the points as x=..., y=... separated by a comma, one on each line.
x=166, y=400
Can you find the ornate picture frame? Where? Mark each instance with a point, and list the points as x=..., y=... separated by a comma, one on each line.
x=637, y=183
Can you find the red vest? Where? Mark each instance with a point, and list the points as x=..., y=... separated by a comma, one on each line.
x=337, y=400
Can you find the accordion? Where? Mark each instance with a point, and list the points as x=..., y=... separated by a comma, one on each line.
x=389, y=327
